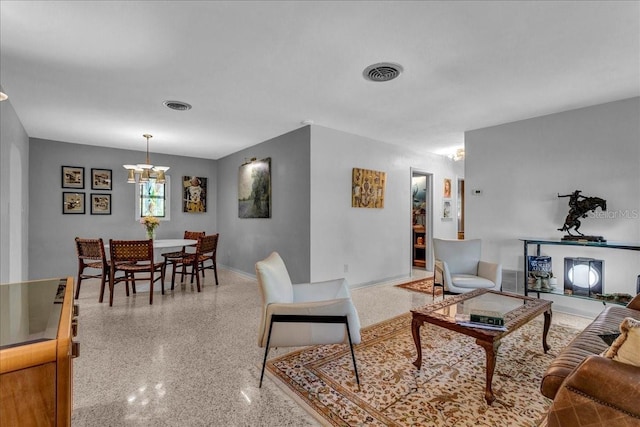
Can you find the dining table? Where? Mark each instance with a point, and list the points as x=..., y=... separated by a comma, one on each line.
x=167, y=243
x=163, y=244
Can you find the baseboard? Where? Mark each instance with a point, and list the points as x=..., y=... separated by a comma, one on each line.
x=386, y=281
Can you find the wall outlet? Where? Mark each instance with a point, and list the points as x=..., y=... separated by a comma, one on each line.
x=346, y=268
x=476, y=192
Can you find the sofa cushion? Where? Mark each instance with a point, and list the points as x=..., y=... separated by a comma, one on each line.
x=585, y=344
x=472, y=282
x=599, y=392
x=626, y=348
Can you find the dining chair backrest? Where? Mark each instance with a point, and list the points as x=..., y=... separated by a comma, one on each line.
x=193, y=235
x=91, y=255
x=131, y=250
x=90, y=249
x=207, y=244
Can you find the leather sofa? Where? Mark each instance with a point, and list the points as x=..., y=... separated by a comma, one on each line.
x=588, y=389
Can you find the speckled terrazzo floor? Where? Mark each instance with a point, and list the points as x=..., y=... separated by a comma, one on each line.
x=192, y=359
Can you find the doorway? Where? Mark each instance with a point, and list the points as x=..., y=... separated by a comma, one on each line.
x=421, y=220
x=460, y=209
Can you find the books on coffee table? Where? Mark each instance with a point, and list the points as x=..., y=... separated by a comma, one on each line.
x=488, y=317
x=482, y=326
x=485, y=319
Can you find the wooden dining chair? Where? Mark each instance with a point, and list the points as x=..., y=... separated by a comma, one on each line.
x=170, y=258
x=91, y=255
x=206, y=250
x=131, y=257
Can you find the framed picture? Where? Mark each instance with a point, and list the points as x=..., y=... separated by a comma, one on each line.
x=254, y=189
x=367, y=188
x=447, y=209
x=100, y=179
x=100, y=204
x=194, y=195
x=72, y=177
x=72, y=203
x=446, y=192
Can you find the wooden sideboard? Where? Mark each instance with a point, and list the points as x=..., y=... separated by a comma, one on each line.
x=36, y=367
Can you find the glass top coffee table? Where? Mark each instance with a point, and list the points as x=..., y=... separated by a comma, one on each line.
x=516, y=310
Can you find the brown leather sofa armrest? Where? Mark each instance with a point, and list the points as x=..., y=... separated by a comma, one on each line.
x=634, y=303
x=608, y=383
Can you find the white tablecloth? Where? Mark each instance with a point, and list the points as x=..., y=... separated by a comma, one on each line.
x=167, y=243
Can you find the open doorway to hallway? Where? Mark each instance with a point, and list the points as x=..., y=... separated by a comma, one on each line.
x=460, y=209
x=421, y=221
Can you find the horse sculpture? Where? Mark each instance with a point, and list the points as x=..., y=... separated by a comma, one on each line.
x=580, y=206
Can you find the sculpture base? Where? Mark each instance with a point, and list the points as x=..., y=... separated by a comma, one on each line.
x=599, y=239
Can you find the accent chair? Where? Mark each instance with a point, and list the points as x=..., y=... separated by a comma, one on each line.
x=304, y=314
x=459, y=268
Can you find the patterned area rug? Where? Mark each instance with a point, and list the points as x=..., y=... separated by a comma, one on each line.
x=447, y=391
x=422, y=285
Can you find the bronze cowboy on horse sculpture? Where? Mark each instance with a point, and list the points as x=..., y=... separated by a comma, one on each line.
x=579, y=207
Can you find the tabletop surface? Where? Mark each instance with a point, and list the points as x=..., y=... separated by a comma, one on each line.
x=514, y=307
x=168, y=243
x=34, y=313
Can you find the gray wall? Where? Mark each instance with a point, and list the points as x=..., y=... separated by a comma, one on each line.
x=368, y=245
x=522, y=166
x=14, y=196
x=51, y=234
x=247, y=240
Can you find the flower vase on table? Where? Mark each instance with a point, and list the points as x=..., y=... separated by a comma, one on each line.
x=150, y=224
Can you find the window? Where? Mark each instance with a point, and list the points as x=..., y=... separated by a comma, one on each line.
x=152, y=199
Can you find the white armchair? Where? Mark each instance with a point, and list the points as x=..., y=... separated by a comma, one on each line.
x=459, y=268
x=303, y=314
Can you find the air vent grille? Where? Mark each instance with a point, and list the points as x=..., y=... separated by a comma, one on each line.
x=177, y=105
x=382, y=72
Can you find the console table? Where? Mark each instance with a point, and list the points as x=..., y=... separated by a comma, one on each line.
x=631, y=246
x=36, y=351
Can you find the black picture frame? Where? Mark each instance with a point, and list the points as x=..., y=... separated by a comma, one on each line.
x=100, y=204
x=254, y=189
x=194, y=198
x=73, y=203
x=101, y=179
x=72, y=177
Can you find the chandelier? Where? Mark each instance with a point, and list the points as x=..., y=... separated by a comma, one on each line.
x=458, y=156
x=146, y=171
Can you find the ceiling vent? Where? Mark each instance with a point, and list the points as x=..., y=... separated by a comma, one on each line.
x=382, y=72
x=177, y=105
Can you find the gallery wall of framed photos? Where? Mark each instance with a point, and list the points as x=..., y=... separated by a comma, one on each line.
x=74, y=202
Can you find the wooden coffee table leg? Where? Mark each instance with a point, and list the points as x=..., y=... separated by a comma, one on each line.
x=491, y=350
x=415, y=331
x=547, y=323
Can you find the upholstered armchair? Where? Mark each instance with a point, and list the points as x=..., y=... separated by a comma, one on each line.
x=459, y=268
x=303, y=314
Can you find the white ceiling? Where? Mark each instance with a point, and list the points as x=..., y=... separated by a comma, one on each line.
x=97, y=72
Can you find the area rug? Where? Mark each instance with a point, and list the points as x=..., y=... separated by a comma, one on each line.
x=422, y=285
x=447, y=391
